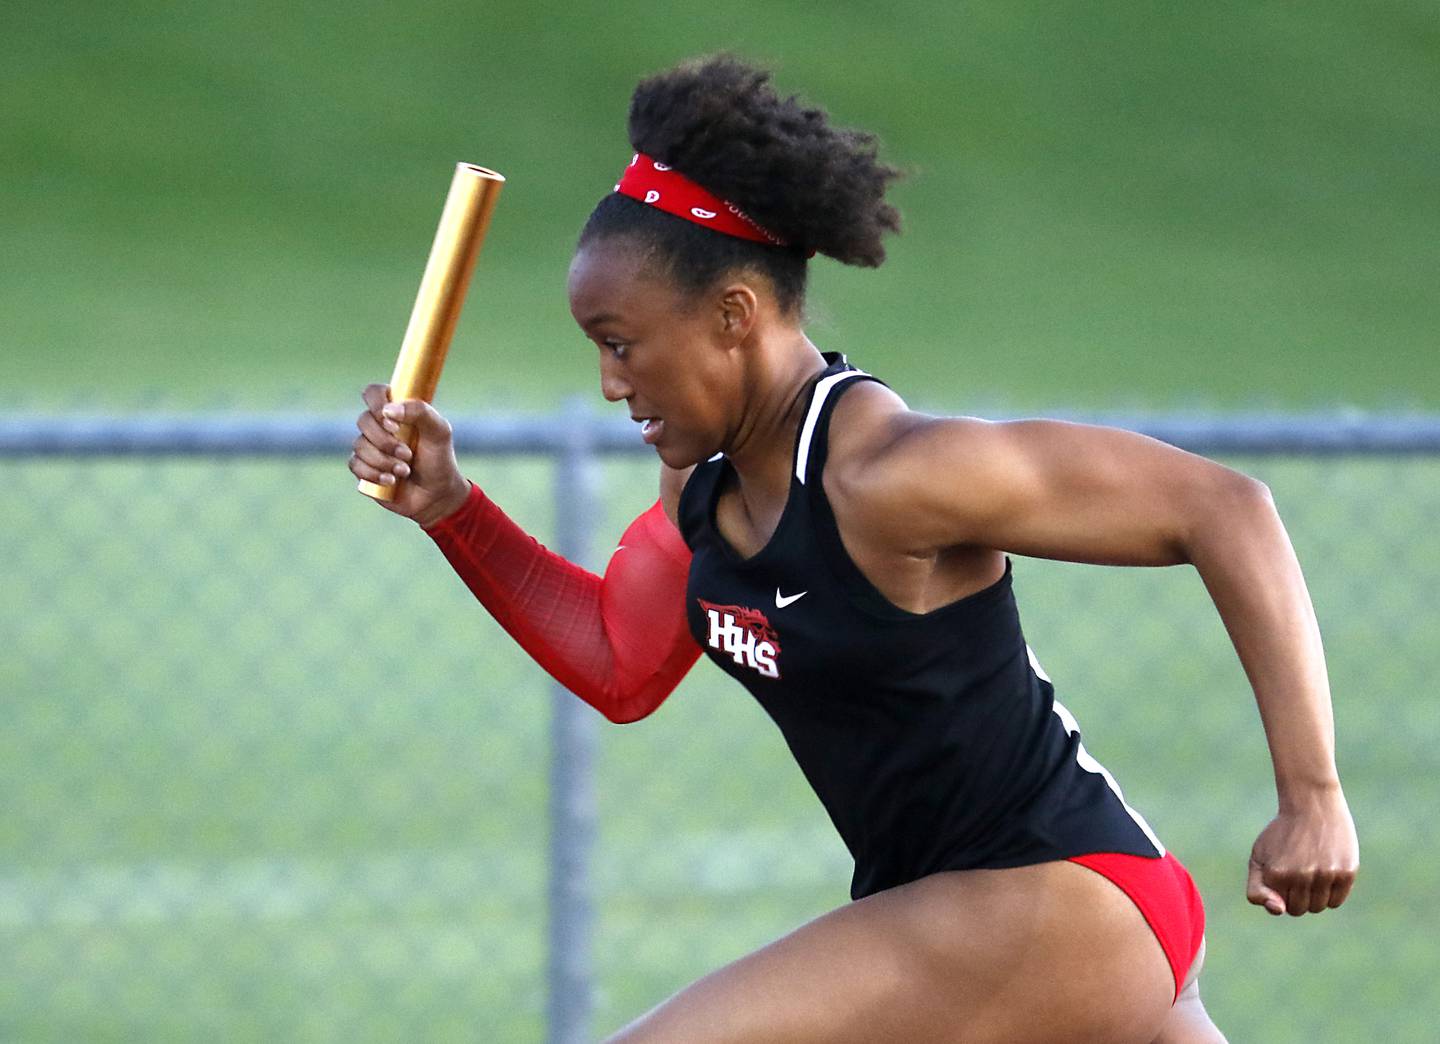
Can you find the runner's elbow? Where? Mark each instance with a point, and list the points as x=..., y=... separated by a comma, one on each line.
x=1228, y=507
x=625, y=714
x=626, y=708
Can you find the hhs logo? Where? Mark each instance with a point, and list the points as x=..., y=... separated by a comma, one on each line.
x=744, y=635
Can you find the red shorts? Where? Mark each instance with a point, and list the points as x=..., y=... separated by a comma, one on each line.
x=1167, y=898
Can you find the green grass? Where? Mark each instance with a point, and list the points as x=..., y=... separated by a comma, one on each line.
x=270, y=772
x=1111, y=206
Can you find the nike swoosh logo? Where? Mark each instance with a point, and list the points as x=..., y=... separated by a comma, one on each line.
x=781, y=601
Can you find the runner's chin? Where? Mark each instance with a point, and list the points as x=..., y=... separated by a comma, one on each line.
x=674, y=457
x=675, y=454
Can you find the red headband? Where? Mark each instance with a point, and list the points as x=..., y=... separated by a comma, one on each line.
x=667, y=189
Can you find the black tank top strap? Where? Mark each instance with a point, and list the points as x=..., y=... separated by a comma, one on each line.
x=695, y=498
x=811, y=446
x=698, y=496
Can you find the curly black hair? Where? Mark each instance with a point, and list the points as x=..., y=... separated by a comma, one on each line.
x=718, y=121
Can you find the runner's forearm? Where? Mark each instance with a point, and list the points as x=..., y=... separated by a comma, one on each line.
x=1245, y=558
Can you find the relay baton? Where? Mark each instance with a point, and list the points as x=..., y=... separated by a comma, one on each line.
x=463, y=223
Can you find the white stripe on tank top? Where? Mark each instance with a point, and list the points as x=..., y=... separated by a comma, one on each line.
x=807, y=430
x=1088, y=763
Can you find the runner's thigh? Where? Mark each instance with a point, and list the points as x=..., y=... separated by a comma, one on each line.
x=1034, y=953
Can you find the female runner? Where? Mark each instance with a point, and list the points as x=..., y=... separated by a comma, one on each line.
x=845, y=558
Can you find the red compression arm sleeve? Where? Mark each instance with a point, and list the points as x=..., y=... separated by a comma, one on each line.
x=619, y=642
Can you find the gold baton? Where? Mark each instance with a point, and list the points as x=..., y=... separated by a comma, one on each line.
x=463, y=223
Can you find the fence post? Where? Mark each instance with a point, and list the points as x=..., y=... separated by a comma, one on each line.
x=569, y=979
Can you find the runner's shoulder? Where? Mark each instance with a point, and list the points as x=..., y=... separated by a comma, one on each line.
x=884, y=458
x=869, y=428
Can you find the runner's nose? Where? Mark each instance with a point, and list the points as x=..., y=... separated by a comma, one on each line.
x=613, y=384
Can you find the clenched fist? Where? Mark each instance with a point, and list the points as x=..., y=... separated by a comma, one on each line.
x=1306, y=859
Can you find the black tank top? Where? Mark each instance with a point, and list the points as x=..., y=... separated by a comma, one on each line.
x=933, y=740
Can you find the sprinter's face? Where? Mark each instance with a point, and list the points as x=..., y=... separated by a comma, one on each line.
x=669, y=356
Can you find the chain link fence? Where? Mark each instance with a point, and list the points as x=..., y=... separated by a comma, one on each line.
x=268, y=771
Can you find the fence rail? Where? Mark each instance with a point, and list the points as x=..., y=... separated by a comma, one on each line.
x=228, y=435
x=574, y=440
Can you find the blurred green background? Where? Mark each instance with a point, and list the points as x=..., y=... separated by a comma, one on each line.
x=1120, y=204
x=225, y=817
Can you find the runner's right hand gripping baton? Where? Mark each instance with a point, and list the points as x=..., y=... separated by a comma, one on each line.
x=463, y=223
